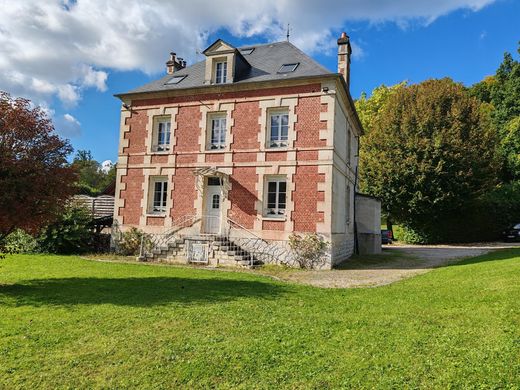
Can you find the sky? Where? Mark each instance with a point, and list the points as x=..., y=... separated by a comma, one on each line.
x=71, y=57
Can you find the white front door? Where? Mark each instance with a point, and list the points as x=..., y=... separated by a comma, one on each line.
x=213, y=205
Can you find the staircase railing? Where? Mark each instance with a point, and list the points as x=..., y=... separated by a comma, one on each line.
x=258, y=248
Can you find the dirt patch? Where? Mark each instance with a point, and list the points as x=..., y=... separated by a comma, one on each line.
x=395, y=263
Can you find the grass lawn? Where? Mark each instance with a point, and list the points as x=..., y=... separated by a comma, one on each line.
x=72, y=323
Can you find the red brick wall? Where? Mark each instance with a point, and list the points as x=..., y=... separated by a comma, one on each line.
x=306, y=197
x=132, y=196
x=309, y=125
x=188, y=130
x=243, y=196
x=273, y=225
x=275, y=156
x=245, y=132
x=155, y=221
x=246, y=127
x=137, y=134
x=230, y=95
x=184, y=193
x=211, y=158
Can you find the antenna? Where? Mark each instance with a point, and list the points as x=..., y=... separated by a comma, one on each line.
x=288, y=31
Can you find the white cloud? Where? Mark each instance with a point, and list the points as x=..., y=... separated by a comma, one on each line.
x=67, y=126
x=59, y=48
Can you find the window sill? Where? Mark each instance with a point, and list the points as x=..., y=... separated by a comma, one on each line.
x=158, y=215
x=276, y=148
x=272, y=218
x=160, y=152
x=216, y=150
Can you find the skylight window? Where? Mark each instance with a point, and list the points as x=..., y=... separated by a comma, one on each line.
x=247, y=50
x=175, y=80
x=287, y=68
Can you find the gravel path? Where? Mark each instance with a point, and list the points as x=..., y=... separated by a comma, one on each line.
x=396, y=263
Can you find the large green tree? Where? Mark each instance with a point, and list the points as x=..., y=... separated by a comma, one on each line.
x=92, y=180
x=502, y=92
x=428, y=152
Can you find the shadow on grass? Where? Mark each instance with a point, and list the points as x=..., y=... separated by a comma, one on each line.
x=138, y=292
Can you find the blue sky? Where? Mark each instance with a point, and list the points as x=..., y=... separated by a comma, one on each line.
x=465, y=43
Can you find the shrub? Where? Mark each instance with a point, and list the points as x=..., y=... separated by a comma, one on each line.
x=309, y=250
x=71, y=233
x=130, y=242
x=20, y=242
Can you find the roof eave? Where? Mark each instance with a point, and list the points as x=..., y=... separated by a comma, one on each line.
x=173, y=91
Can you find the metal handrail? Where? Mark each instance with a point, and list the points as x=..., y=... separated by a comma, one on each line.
x=251, y=243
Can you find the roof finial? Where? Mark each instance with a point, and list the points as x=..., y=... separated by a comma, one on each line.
x=288, y=31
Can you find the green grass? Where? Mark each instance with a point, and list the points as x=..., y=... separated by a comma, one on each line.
x=72, y=323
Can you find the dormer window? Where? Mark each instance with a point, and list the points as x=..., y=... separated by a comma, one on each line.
x=287, y=68
x=220, y=72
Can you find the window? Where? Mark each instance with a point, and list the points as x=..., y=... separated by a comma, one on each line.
x=287, y=68
x=159, y=188
x=176, y=79
x=214, y=181
x=162, y=135
x=276, y=197
x=215, y=201
x=220, y=72
x=278, y=129
x=247, y=51
x=217, y=138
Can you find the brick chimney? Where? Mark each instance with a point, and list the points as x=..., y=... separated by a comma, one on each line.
x=174, y=63
x=344, y=52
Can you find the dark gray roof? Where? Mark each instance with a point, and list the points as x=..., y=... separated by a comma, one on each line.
x=265, y=61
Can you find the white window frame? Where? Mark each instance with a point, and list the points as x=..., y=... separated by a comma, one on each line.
x=278, y=142
x=158, y=184
x=276, y=211
x=219, y=142
x=222, y=78
x=164, y=146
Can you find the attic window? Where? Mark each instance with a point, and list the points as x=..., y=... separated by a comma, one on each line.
x=287, y=68
x=247, y=50
x=175, y=80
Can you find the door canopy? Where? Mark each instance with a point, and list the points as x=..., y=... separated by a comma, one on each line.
x=202, y=173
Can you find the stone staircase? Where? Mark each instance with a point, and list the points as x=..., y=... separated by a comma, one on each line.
x=220, y=251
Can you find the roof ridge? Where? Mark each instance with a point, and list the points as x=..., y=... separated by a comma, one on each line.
x=261, y=44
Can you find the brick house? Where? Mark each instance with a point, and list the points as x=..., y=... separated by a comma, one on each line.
x=255, y=142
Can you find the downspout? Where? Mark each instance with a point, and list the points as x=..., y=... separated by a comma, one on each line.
x=356, y=243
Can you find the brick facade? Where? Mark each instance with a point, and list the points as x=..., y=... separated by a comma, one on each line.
x=247, y=160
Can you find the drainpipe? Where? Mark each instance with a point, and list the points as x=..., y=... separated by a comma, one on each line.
x=356, y=243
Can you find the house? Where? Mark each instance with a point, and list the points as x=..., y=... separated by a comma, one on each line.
x=238, y=151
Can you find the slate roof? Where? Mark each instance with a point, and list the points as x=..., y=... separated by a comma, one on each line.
x=265, y=61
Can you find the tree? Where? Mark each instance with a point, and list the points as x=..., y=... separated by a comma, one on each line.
x=92, y=180
x=35, y=178
x=502, y=92
x=428, y=153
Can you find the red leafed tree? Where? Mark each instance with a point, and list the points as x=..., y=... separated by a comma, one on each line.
x=35, y=178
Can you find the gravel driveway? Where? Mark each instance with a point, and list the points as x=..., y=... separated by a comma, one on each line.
x=396, y=263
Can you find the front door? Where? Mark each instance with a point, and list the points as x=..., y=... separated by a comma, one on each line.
x=213, y=201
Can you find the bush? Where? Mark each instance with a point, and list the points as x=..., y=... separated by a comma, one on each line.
x=20, y=242
x=130, y=242
x=481, y=220
x=71, y=233
x=309, y=249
